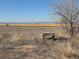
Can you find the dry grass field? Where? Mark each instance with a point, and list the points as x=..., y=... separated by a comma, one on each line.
x=26, y=42
x=34, y=25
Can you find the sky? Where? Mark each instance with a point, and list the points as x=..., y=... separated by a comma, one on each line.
x=25, y=10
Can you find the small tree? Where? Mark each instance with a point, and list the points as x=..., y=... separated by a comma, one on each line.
x=7, y=24
x=69, y=12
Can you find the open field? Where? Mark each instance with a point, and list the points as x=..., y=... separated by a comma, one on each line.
x=26, y=42
x=34, y=25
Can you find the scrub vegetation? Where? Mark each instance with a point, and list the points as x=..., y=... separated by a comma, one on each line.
x=27, y=43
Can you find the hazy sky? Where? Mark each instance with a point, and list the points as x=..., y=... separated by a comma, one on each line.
x=25, y=10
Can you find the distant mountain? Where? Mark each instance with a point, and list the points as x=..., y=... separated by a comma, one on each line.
x=28, y=22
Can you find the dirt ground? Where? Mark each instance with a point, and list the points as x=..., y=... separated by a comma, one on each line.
x=26, y=43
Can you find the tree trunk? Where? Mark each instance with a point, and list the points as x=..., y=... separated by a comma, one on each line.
x=71, y=30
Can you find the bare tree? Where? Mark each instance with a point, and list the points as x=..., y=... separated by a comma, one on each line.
x=69, y=12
